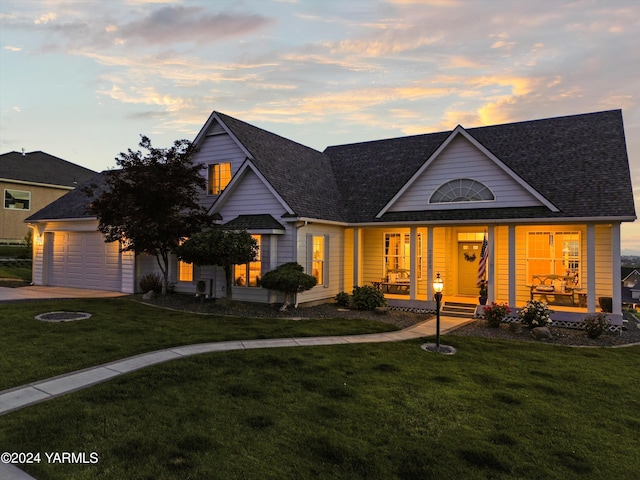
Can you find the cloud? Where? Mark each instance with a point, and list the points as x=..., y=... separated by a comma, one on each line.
x=12, y=48
x=168, y=25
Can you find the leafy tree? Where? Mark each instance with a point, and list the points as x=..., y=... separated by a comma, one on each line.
x=288, y=278
x=151, y=203
x=224, y=248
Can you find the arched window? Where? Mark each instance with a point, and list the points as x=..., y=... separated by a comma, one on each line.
x=462, y=190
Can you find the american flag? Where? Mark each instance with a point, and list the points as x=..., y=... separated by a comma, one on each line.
x=482, y=265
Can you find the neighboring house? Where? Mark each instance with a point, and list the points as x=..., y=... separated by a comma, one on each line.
x=394, y=213
x=30, y=181
x=630, y=286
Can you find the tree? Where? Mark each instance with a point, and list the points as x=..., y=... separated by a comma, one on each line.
x=151, y=204
x=288, y=278
x=224, y=248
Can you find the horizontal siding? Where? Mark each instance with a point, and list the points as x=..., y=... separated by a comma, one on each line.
x=336, y=239
x=217, y=149
x=462, y=160
x=251, y=197
x=604, y=274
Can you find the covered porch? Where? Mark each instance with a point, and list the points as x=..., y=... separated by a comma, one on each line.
x=579, y=264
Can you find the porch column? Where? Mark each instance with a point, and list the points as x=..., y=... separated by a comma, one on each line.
x=430, y=275
x=512, y=266
x=491, y=281
x=413, y=263
x=617, y=266
x=356, y=257
x=591, y=267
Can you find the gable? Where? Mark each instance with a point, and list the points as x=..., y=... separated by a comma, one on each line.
x=461, y=165
x=249, y=194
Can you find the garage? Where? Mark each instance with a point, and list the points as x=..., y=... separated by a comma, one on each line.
x=82, y=260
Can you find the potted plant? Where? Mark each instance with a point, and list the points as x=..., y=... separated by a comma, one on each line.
x=483, y=293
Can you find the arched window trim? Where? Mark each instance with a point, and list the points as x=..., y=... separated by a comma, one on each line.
x=445, y=191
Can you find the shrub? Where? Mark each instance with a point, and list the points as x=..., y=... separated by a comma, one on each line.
x=494, y=314
x=288, y=278
x=535, y=314
x=343, y=299
x=151, y=281
x=596, y=325
x=367, y=298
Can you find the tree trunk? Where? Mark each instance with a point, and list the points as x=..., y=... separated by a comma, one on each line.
x=228, y=274
x=164, y=268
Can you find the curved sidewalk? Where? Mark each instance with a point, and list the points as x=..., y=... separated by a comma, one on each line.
x=40, y=391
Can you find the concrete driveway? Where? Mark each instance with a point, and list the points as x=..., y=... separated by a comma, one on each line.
x=43, y=293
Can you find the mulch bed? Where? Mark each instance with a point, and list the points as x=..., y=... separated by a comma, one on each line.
x=478, y=328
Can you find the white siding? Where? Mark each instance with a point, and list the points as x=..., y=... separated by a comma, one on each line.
x=251, y=197
x=333, y=284
x=462, y=160
x=218, y=148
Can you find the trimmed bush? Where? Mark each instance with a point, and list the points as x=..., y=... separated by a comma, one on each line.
x=367, y=298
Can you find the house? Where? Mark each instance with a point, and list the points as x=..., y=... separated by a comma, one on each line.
x=30, y=181
x=394, y=213
x=630, y=286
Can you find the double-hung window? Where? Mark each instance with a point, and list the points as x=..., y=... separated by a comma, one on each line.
x=17, y=200
x=248, y=274
x=219, y=177
x=555, y=253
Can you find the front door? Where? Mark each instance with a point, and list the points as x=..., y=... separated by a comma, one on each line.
x=468, y=260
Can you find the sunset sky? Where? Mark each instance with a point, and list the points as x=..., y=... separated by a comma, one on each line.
x=82, y=80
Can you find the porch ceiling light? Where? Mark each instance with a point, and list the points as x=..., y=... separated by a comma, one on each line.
x=438, y=284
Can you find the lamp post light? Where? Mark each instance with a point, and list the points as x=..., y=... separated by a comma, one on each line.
x=438, y=285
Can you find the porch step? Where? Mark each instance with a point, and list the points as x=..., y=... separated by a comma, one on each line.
x=457, y=309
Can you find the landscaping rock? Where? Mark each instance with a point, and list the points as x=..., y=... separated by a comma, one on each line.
x=542, y=333
x=381, y=310
x=150, y=295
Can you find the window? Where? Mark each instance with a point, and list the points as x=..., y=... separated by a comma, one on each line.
x=397, y=253
x=317, y=263
x=219, y=177
x=17, y=200
x=553, y=253
x=462, y=190
x=248, y=274
x=185, y=272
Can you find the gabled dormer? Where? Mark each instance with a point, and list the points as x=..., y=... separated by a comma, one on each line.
x=463, y=174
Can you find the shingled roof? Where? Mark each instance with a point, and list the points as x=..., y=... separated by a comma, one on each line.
x=302, y=176
x=74, y=204
x=40, y=167
x=563, y=158
x=577, y=162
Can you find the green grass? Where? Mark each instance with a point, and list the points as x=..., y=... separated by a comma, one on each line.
x=382, y=411
x=33, y=350
x=18, y=273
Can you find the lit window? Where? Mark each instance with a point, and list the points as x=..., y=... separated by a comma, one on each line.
x=250, y=271
x=397, y=254
x=317, y=264
x=555, y=253
x=185, y=272
x=462, y=190
x=17, y=200
x=219, y=177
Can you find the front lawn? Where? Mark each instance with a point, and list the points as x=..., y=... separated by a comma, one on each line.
x=34, y=350
x=496, y=409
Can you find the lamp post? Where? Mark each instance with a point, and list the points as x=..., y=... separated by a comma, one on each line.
x=438, y=285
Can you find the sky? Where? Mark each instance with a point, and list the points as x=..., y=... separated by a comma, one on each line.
x=83, y=79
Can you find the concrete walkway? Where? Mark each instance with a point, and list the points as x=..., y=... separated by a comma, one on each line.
x=35, y=292
x=36, y=392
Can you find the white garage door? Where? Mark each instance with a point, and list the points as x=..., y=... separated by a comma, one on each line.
x=84, y=260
